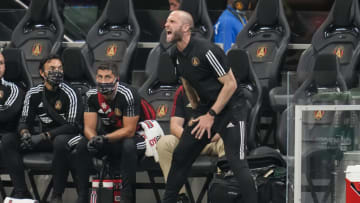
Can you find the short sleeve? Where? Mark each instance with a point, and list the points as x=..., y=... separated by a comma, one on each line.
x=217, y=61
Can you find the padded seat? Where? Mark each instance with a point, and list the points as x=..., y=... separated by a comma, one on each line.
x=39, y=161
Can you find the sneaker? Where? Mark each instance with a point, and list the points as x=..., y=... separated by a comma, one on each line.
x=182, y=198
x=22, y=194
x=56, y=199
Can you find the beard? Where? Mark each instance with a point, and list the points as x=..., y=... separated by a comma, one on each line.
x=177, y=36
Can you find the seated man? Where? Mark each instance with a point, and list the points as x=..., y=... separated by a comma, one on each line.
x=11, y=98
x=180, y=116
x=118, y=106
x=57, y=105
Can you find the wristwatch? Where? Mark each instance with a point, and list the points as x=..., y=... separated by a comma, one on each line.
x=212, y=113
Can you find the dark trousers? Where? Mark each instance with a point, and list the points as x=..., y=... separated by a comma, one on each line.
x=122, y=156
x=189, y=148
x=62, y=163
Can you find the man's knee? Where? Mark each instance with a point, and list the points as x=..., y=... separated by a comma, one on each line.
x=60, y=143
x=128, y=145
x=9, y=140
x=167, y=144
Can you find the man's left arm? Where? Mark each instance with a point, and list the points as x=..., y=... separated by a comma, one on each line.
x=12, y=105
x=206, y=121
x=128, y=130
x=73, y=116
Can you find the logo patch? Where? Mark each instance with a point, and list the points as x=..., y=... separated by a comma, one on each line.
x=118, y=112
x=162, y=110
x=318, y=115
x=261, y=52
x=58, y=105
x=195, y=61
x=339, y=52
x=36, y=49
x=1, y=94
x=111, y=50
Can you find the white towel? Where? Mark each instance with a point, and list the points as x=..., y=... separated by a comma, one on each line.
x=153, y=133
x=13, y=200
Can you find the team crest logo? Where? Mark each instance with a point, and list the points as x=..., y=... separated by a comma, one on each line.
x=58, y=105
x=117, y=112
x=1, y=94
x=36, y=49
x=161, y=110
x=339, y=52
x=261, y=52
x=195, y=61
x=111, y=50
x=318, y=115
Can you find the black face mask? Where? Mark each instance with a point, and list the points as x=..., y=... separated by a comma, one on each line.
x=106, y=88
x=54, y=78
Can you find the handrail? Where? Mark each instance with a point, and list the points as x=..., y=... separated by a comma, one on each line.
x=150, y=45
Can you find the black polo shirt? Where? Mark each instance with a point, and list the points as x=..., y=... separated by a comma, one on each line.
x=201, y=63
x=181, y=105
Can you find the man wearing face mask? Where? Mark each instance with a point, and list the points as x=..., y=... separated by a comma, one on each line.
x=118, y=106
x=58, y=107
x=231, y=22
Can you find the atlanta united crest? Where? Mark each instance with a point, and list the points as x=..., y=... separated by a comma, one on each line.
x=318, y=115
x=339, y=52
x=261, y=52
x=117, y=112
x=162, y=110
x=111, y=50
x=195, y=61
x=58, y=105
x=36, y=49
x=1, y=94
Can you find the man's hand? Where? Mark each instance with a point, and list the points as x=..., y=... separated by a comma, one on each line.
x=96, y=145
x=205, y=123
x=215, y=138
x=29, y=141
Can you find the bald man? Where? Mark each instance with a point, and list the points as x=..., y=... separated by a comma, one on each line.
x=218, y=106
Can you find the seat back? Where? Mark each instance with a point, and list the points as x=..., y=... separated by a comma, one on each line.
x=266, y=37
x=76, y=72
x=338, y=35
x=16, y=69
x=113, y=38
x=251, y=89
x=38, y=34
x=324, y=86
x=160, y=87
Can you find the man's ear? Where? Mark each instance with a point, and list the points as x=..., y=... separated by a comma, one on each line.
x=42, y=73
x=186, y=28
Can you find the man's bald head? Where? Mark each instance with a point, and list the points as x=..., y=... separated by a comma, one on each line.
x=184, y=17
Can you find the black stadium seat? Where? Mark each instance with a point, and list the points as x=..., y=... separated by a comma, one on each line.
x=38, y=34
x=266, y=37
x=113, y=38
x=16, y=69
x=338, y=35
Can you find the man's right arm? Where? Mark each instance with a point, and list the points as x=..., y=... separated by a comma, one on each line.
x=12, y=106
x=28, y=113
x=176, y=126
x=90, y=121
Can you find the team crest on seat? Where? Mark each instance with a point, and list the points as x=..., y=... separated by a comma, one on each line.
x=111, y=50
x=339, y=52
x=319, y=115
x=261, y=52
x=1, y=94
x=162, y=110
x=118, y=112
x=36, y=49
